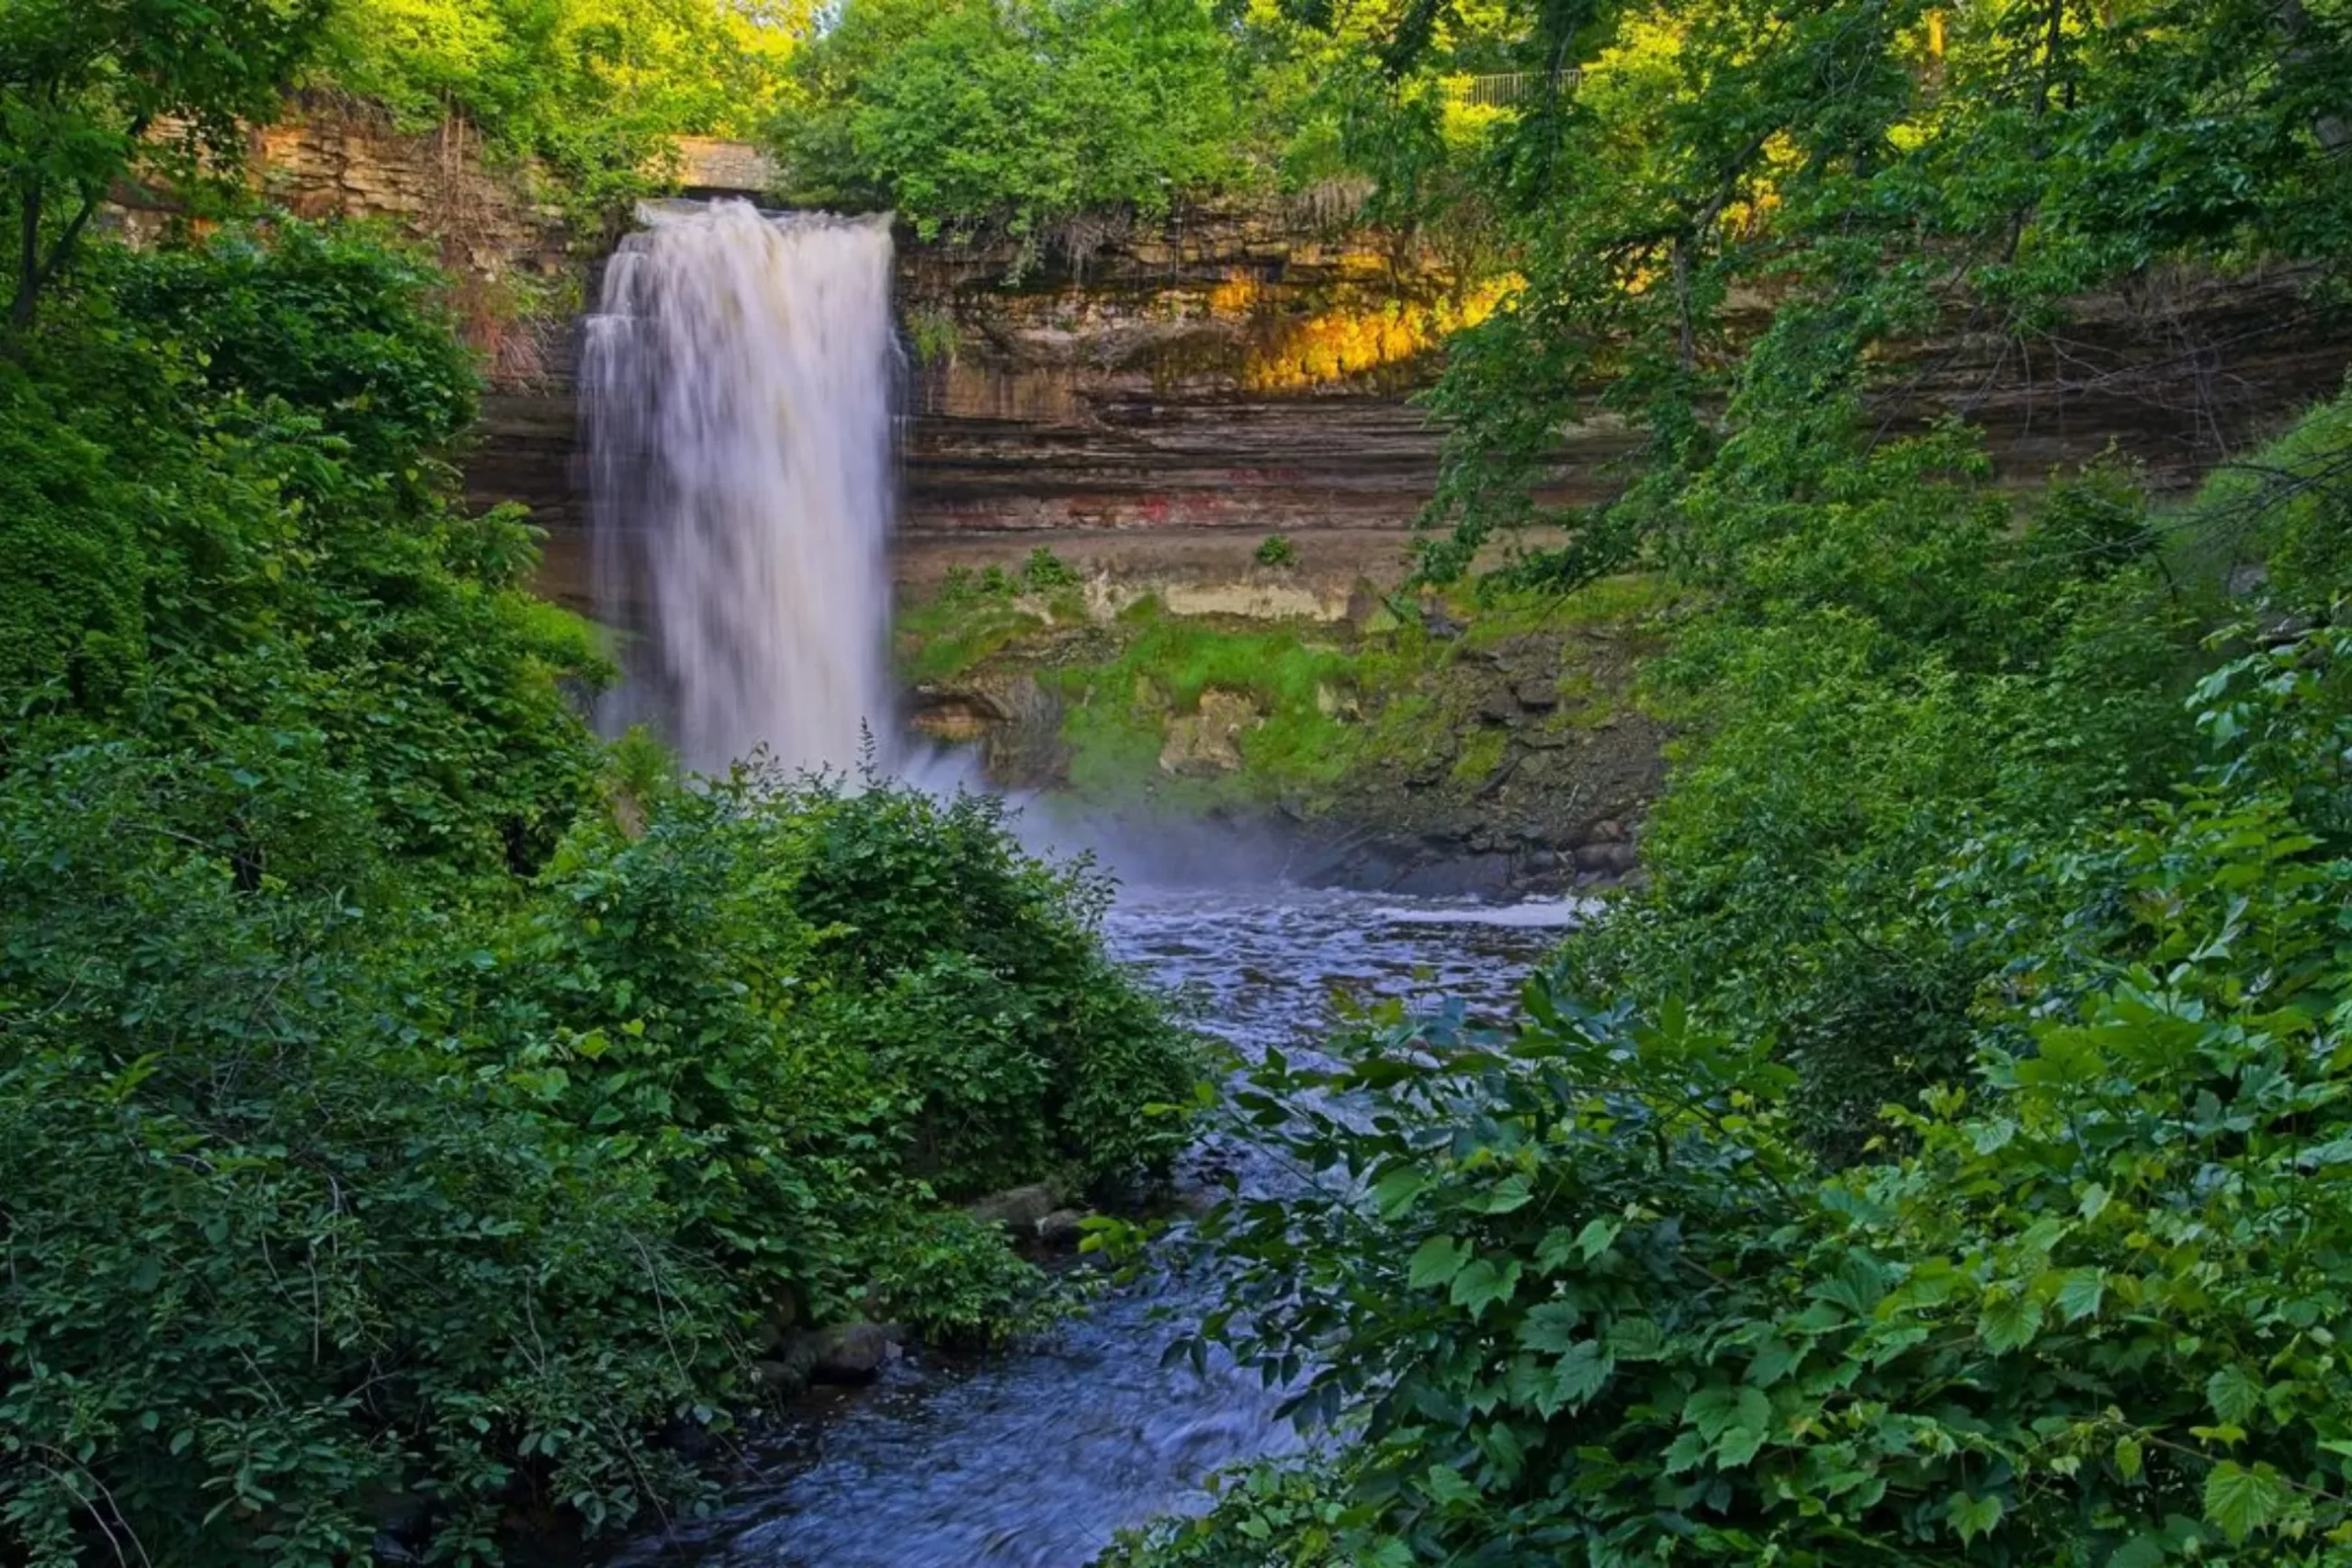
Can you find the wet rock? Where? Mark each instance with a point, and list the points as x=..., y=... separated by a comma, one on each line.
x=777, y=1377
x=404, y=1525
x=845, y=1353
x=1537, y=694
x=1607, y=860
x=1015, y=721
x=1333, y=703
x=1477, y=875
x=1062, y=1227
x=1499, y=706
x=1208, y=742
x=1017, y=1209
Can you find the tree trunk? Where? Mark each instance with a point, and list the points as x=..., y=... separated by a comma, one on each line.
x=20, y=310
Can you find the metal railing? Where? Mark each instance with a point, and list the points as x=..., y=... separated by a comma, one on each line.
x=1504, y=88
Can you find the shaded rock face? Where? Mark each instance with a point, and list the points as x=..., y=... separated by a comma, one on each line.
x=1531, y=787
x=1190, y=393
x=1011, y=724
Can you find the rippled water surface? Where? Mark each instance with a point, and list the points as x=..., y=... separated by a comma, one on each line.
x=1033, y=1458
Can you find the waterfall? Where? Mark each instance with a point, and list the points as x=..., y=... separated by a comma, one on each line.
x=738, y=379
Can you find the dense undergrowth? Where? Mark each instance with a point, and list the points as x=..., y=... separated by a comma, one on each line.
x=1940, y=1160
x=417, y=1113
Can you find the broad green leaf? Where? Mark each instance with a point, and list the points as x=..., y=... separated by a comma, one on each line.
x=1394, y=1192
x=2233, y=1393
x=1482, y=1283
x=1447, y=1486
x=1738, y=1446
x=1559, y=1245
x=2079, y=1297
x=1636, y=1339
x=1550, y=1326
x=2239, y=1501
x=1973, y=1517
x=2009, y=1321
x=1582, y=1372
x=1435, y=1262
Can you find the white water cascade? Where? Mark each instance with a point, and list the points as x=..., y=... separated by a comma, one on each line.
x=739, y=380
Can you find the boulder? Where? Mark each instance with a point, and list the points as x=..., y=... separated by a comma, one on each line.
x=1607, y=860
x=1017, y=1209
x=844, y=1353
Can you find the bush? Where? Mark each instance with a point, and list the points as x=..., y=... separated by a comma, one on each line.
x=1587, y=1292
x=1044, y=572
x=1275, y=550
x=418, y=1112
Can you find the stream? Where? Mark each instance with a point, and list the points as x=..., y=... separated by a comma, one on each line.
x=1033, y=1457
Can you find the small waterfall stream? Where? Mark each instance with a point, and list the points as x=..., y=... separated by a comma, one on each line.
x=738, y=386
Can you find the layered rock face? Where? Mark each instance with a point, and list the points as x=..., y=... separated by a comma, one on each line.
x=1227, y=370
x=1185, y=387
x=1152, y=400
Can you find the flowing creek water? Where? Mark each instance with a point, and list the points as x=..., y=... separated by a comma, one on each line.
x=1033, y=1457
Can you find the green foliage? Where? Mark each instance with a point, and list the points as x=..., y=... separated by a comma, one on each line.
x=2280, y=513
x=1016, y=119
x=1714, y=149
x=1579, y=1290
x=1275, y=550
x=90, y=94
x=591, y=89
x=933, y=336
x=1334, y=703
x=417, y=1112
x=1022, y=1047
x=1943, y=1176
x=1044, y=572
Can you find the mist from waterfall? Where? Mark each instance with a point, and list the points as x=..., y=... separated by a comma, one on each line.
x=739, y=382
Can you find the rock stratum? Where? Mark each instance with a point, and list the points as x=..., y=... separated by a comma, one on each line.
x=1162, y=393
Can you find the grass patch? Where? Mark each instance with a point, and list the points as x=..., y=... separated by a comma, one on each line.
x=1336, y=701
x=945, y=638
x=1481, y=754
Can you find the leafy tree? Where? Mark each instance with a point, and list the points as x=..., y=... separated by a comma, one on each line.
x=591, y=89
x=93, y=91
x=1018, y=117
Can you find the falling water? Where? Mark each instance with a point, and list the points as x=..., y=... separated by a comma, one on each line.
x=738, y=381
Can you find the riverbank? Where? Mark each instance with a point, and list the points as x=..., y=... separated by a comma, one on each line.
x=1433, y=745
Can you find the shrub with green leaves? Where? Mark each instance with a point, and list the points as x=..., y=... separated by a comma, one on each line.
x=1577, y=1292
x=419, y=1114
